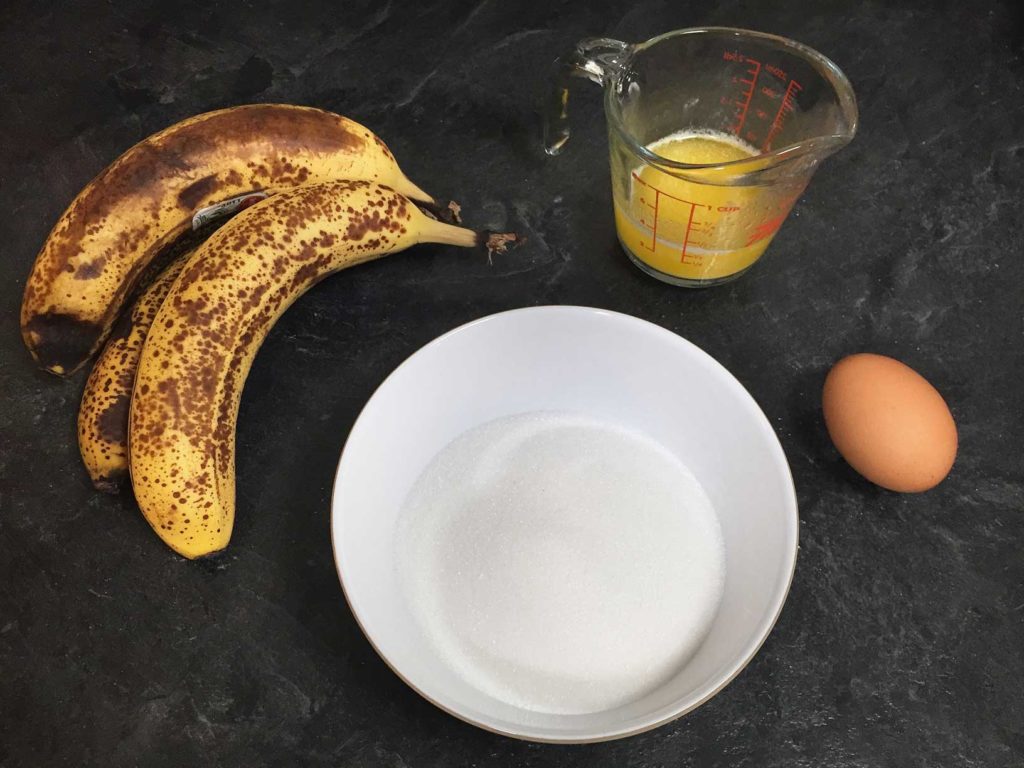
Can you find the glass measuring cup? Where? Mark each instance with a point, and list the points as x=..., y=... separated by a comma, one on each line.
x=713, y=133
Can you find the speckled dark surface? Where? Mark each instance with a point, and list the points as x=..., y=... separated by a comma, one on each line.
x=902, y=640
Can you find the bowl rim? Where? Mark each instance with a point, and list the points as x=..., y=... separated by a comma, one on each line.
x=757, y=639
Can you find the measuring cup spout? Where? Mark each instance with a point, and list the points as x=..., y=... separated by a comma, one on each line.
x=804, y=156
x=792, y=161
x=597, y=59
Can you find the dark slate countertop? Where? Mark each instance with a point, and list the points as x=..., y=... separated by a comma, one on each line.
x=902, y=642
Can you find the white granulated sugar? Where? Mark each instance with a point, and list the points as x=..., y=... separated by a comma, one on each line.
x=560, y=564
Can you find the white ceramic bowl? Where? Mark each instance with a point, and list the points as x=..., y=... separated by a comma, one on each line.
x=610, y=366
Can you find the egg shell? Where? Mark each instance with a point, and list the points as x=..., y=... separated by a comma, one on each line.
x=889, y=423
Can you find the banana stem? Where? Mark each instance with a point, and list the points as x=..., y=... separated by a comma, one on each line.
x=494, y=242
x=440, y=232
x=405, y=186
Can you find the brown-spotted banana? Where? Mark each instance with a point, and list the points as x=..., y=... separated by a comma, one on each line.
x=126, y=216
x=210, y=326
x=103, y=412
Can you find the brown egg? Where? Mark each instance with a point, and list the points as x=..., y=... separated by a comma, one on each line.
x=889, y=424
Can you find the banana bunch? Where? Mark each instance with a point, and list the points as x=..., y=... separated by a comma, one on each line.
x=144, y=201
x=162, y=400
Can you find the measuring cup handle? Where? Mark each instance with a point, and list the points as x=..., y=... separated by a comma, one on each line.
x=597, y=59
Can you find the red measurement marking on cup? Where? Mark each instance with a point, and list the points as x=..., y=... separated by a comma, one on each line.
x=653, y=225
x=769, y=227
x=766, y=229
x=786, y=108
x=743, y=102
x=653, y=209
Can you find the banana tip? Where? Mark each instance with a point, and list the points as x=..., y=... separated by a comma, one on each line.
x=449, y=213
x=111, y=485
x=500, y=242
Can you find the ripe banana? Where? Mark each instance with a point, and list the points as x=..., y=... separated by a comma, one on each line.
x=126, y=216
x=103, y=413
x=210, y=326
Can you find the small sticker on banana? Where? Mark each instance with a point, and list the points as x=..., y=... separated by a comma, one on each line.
x=225, y=208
